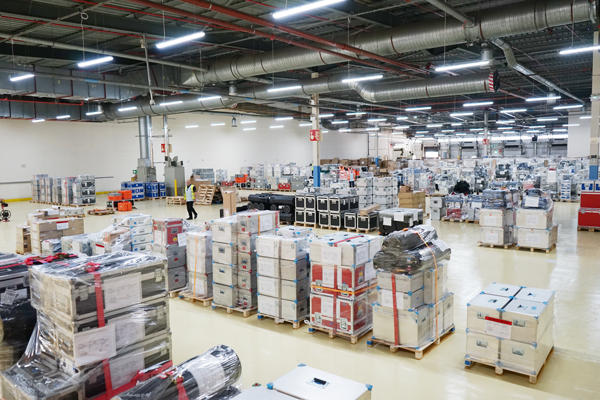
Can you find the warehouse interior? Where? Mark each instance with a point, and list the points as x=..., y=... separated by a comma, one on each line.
x=142, y=130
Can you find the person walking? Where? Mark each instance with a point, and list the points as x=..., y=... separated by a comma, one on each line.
x=351, y=176
x=190, y=195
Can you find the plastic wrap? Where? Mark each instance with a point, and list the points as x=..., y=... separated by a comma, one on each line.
x=537, y=199
x=199, y=264
x=79, y=244
x=18, y=322
x=214, y=375
x=400, y=241
x=497, y=199
x=51, y=247
x=413, y=260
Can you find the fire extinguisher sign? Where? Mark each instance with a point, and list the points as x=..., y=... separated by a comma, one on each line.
x=315, y=135
x=162, y=147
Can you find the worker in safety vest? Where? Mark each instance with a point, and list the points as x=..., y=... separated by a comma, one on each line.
x=190, y=195
x=351, y=176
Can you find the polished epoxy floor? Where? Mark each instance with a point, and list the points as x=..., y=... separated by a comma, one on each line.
x=267, y=351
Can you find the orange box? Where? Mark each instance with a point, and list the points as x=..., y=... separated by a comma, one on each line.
x=125, y=194
x=124, y=206
x=115, y=198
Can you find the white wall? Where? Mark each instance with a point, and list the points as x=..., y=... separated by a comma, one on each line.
x=111, y=149
x=579, y=137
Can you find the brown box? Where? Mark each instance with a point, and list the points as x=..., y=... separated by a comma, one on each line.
x=56, y=224
x=404, y=189
x=37, y=237
x=108, y=237
x=405, y=195
x=23, y=248
x=229, y=203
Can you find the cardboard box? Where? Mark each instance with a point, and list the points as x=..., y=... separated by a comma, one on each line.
x=23, y=247
x=229, y=202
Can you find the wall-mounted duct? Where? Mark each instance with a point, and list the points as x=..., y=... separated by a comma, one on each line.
x=512, y=62
x=506, y=20
x=189, y=102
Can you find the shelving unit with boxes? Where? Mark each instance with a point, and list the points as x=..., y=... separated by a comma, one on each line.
x=511, y=328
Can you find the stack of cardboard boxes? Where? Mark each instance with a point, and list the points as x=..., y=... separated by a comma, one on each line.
x=50, y=226
x=364, y=189
x=57, y=190
x=411, y=199
x=131, y=232
x=283, y=274
x=342, y=283
x=23, y=239
x=37, y=188
x=511, y=327
x=438, y=208
x=67, y=190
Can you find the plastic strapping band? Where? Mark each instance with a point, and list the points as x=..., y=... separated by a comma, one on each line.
x=195, y=265
x=335, y=291
x=436, y=285
x=178, y=381
x=395, y=308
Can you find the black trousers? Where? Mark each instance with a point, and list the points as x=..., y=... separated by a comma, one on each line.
x=190, y=209
x=351, y=183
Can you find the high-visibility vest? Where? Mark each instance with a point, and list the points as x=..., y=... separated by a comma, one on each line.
x=189, y=193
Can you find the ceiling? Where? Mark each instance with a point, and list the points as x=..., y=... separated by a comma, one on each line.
x=120, y=26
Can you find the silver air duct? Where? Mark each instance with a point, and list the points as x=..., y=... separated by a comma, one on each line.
x=506, y=20
x=512, y=62
x=189, y=102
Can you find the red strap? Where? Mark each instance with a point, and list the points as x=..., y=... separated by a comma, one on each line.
x=181, y=390
x=395, y=308
x=101, y=322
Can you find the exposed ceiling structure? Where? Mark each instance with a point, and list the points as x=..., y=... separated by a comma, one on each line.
x=246, y=53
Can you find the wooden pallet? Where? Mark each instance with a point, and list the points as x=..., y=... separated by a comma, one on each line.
x=588, y=228
x=453, y=219
x=206, y=301
x=420, y=351
x=332, y=335
x=304, y=224
x=494, y=246
x=246, y=312
x=472, y=221
x=500, y=369
x=205, y=195
x=279, y=321
x=532, y=249
x=568, y=201
x=175, y=200
x=101, y=212
x=357, y=230
x=155, y=198
x=174, y=293
x=21, y=252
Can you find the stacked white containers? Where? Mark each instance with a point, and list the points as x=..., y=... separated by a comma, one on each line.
x=535, y=227
x=37, y=187
x=385, y=192
x=497, y=218
x=283, y=274
x=511, y=327
x=84, y=190
x=56, y=190
x=67, y=190
x=342, y=280
x=364, y=189
x=224, y=250
x=132, y=232
x=199, y=265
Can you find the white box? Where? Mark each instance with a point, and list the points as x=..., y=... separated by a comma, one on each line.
x=430, y=295
x=258, y=221
x=537, y=238
x=383, y=182
x=225, y=295
x=246, y=280
x=414, y=326
x=225, y=253
x=529, y=320
x=382, y=191
x=484, y=305
x=268, y=286
x=199, y=243
x=246, y=242
x=364, y=182
x=142, y=239
x=225, y=274
x=294, y=310
x=268, y=246
x=269, y=306
x=534, y=219
x=496, y=236
x=293, y=248
x=404, y=301
x=246, y=261
x=224, y=230
x=437, y=202
x=496, y=218
x=294, y=232
x=295, y=290
x=481, y=347
x=404, y=282
x=526, y=357
x=364, y=191
x=141, y=230
x=202, y=265
x=200, y=285
x=448, y=311
x=501, y=289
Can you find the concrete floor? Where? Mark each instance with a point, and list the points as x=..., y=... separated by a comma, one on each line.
x=267, y=351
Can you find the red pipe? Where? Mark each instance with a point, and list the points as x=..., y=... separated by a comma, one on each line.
x=317, y=39
x=266, y=35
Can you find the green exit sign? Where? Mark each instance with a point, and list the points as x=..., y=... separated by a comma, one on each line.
x=135, y=171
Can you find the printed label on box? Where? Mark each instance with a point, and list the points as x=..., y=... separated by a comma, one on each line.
x=331, y=255
x=129, y=329
x=267, y=247
x=399, y=216
x=491, y=237
x=387, y=221
x=52, y=212
x=532, y=237
x=266, y=266
x=100, y=249
x=62, y=225
x=362, y=254
x=94, y=345
x=477, y=205
x=370, y=271
x=532, y=201
x=268, y=286
x=8, y=297
x=124, y=369
x=497, y=327
x=489, y=220
x=182, y=239
x=328, y=276
x=123, y=291
x=208, y=378
x=387, y=299
x=532, y=220
x=327, y=307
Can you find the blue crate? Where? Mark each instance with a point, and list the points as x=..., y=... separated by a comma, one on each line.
x=126, y=185
x=137, y=196
x=152, y=186
x=163, y=193
x=136, y=185
x=152, y=194
x=162, y=185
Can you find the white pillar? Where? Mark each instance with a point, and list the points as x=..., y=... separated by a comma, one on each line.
x=314, y=101
x=595, y=121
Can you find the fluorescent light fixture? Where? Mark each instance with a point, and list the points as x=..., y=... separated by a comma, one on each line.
x=460, y=134
x=461, y=66
x=579, y=50
x=439, y=134
x=401, y=118
x=516, y=110
x=372, y=129
x=456, y=124
x=191, y=126
x=448, y=130
x=478, y=104
x=422, y=131
x=476, y=129
x=251, y=121
x=506, y=121
x=249, y=129
x=356, y=113
x=37, y=120
x=283, y=118
x=376, y=119
x=344, y=130
x=276, y=126
x=127, y=108
x=435, y=125
x=183, y=39
x=209, y=98
x=170, y=103
x=217, y=124
x=567, y=107
x=461, y=114
x=63, y=116
x=560, y=130
x=419, y=135
x=533, y=131
x=21, y=77
x=586, y=117
x=93, y=113
x=284, y=88
x=536, y=126
x=548, y=119
x=504, y=127
x=571, y=124
x=324, y=131
x=325, y=115
x=418, y=108
x=363, y=78
x=543, y=98
x=96, y=61
x=402, y=127
x=304, y=8
x=510, y=132
x=560, y=136
x=339, y=122
x=307, y=124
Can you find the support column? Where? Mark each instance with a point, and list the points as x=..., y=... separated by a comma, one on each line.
x=595, y=121
x=314, y=101
x=486, y=136
x=166, y=133
x=145, y=129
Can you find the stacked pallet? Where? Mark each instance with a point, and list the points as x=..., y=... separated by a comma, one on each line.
x=497, y=218
x=169, y=240
x=199, y=266
x=589, y=212
x=534, y=221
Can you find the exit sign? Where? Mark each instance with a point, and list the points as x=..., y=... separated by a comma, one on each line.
x=135, y=171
